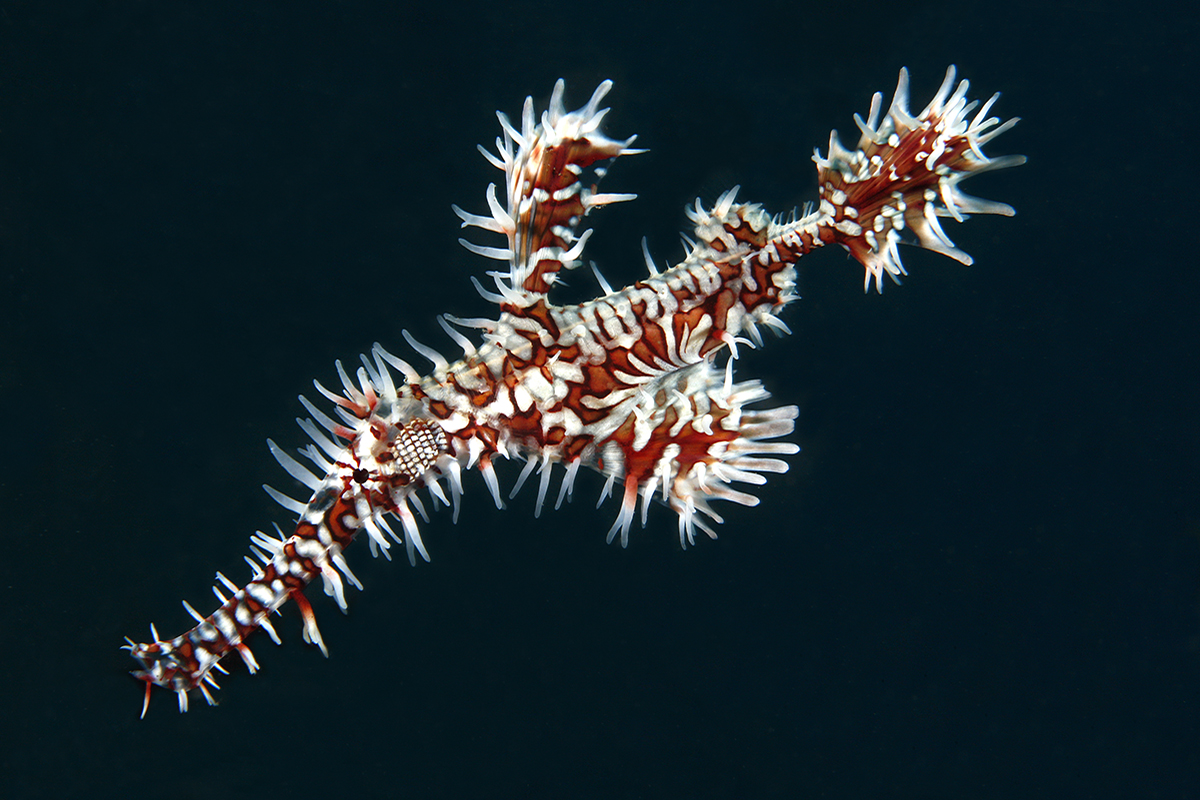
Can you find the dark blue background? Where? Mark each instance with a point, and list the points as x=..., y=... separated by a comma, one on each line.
x=979, y=580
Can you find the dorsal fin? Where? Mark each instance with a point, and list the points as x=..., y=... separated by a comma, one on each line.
x=550, y=170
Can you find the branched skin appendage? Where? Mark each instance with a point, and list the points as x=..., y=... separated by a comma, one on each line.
x=626, y=384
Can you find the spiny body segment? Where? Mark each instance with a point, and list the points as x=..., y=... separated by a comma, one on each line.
x=626, y=384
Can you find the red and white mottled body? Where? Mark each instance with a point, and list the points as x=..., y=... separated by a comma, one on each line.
x=626, y=384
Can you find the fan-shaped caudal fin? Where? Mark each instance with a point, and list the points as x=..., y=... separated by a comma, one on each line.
x=550, y=186
x=904, y=174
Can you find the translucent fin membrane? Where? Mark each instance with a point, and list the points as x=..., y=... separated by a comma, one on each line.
x=904, y=175
x=550, y=165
